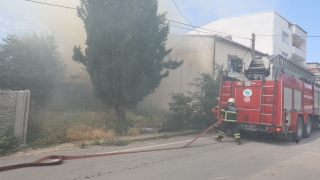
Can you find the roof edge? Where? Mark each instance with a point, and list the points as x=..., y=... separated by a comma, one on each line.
x=249, y=14
x=215, y=37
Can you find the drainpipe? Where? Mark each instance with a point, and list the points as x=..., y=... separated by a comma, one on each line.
x=214, y=58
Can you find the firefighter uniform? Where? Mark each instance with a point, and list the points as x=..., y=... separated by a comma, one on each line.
x=230, y=113
x=215, y=109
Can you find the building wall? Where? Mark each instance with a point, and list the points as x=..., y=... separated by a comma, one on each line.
x=267, y=24
x=280, y=47
x=313, y=65
x=244, y=26
x=225, y=48
x=197, y=57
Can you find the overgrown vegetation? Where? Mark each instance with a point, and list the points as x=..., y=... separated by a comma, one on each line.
x=8, y=143
x=31, y=61
x=47, y=127
x=192, y=110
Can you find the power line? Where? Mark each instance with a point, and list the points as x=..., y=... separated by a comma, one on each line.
x=51, y=4
x=167, y=19
x=207, y=29
x=179, y=27
x=192, y=29
x=189, y=23
x=179, y=22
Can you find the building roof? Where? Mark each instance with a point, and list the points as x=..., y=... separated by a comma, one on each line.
x=217, y=36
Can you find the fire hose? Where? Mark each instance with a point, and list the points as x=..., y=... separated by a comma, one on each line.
x=58, y=159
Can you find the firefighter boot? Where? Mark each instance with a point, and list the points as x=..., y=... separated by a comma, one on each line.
x=217, y=138
x=238, y=142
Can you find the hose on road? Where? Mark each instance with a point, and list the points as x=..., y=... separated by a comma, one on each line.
x=57, y=159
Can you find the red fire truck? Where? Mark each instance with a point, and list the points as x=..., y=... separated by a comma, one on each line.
x=273, y=95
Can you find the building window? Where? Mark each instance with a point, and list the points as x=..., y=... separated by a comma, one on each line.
x=234, y=64
x=284, y=37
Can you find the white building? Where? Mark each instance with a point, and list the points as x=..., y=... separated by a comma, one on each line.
x=274, y=34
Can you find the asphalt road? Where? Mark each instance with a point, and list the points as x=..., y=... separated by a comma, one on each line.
x=261, y=156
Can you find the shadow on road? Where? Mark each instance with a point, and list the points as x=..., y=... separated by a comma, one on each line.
x=270, y=139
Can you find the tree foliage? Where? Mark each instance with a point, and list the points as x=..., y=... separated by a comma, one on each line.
x=125, y=53
x=193, y=109
x=30, y=61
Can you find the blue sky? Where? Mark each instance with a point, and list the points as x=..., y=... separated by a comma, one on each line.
x=19, y=16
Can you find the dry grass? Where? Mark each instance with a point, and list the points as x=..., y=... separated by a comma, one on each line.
x=133, y=132
x=49, y=127
x=82, y=132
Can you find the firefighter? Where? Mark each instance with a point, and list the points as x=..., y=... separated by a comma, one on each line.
x=215, y=109
x=230, y=113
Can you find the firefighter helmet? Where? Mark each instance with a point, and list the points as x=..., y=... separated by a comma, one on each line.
x=231, y=100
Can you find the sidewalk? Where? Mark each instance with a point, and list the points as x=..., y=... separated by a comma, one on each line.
x=73, y=146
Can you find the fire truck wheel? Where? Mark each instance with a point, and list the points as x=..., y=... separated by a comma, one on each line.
x=296, y=136
x=307, y=128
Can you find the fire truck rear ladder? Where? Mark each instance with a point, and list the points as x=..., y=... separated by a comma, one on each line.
x=267, y=68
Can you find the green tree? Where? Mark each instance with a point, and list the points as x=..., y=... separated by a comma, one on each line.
x=193, y=109
x=30, y=61
x=183, y=110
x=125, y=53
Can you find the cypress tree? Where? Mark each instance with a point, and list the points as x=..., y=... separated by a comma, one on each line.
x=125, y=53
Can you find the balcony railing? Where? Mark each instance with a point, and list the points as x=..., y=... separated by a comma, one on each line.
x=298, y=54
x=299, y=36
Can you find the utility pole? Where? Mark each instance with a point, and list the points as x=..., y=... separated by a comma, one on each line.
x=253, y=44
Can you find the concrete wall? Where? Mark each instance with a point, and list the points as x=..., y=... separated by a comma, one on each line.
x=14, y=110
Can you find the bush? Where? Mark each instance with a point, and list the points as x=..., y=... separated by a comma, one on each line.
x=8, y=143
x=116, y=142
x=182, y=109
x=133, y=132
x=120, y=128
x=147, y=116
x=96, y=142
x=193, y=111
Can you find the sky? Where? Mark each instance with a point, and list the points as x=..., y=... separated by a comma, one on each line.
x=20, y=16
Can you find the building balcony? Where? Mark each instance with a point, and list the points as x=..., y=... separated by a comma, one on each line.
x=299, y=36
x=298, y=54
